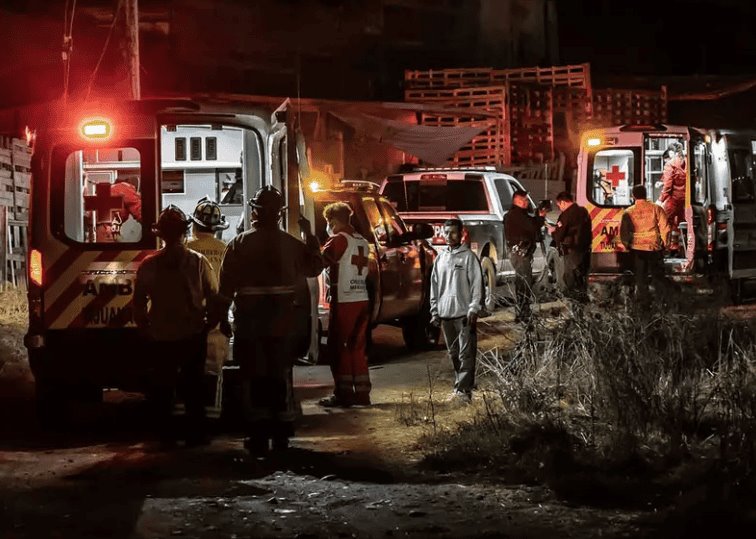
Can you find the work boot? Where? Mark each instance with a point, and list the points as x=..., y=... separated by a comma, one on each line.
x=334, y=402
x=257, y=445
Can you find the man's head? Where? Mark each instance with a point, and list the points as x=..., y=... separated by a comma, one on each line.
x=520, y=199
x=267, y=206
x=337, y=216
x=564, y=200
x=453, y=232
x=171, y=225
x=639, y=192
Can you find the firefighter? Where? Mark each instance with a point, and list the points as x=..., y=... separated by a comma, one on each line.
x=522, y=232
x=347, y=255
x=572, y=237
x=456, y=290
x=260, y=271
x=207, y=220
x=644, y=231
x=672, y=196
x=180, y=286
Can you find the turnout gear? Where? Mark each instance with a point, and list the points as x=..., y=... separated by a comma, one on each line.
x=674, y=180
x=261, y=271
x=207, y=214
x=269, y=199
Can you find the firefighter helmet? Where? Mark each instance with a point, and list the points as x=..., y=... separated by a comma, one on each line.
x=172, y=221
x=208, y=215
x=268, y=199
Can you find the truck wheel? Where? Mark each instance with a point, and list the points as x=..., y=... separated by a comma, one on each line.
x=489, y=284
x=417, y=331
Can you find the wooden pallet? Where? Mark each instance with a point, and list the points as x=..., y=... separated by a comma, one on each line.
x=531, y=122
x=613, y=106
x=13, y=248
x=573, y=76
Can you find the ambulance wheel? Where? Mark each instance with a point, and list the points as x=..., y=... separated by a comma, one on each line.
x=489, y=284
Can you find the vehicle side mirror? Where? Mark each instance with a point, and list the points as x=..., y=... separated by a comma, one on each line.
x=422, y=231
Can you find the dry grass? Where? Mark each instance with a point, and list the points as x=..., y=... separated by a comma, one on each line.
x=606, y=404
x=13, y=307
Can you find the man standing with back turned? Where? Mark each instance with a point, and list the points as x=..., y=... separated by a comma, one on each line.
x=456, y=290
x=573, y=236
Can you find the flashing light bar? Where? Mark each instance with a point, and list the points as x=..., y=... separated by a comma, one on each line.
x=96, y=129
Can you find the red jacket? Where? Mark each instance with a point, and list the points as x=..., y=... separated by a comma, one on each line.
x=132, y=200
x=674, y=180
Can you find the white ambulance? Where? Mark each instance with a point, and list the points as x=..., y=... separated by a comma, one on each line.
x=100, y=175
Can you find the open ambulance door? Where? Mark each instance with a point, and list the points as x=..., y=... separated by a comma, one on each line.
x=741, y=161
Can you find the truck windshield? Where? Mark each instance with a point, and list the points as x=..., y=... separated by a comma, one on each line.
x=447, y=196
x=743, y=171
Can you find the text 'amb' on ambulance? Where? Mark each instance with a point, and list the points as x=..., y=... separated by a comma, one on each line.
x=716, y=232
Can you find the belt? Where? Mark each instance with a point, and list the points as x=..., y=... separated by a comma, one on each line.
x=264, y=290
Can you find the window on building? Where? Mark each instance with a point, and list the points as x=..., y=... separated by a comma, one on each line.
x=211, y=148
x=180, y=145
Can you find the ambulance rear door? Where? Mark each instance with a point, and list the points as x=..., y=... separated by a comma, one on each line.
x=741, y=159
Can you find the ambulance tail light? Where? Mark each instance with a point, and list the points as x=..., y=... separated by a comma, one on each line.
x=35, y=267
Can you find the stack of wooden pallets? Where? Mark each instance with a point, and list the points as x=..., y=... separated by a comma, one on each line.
x=15, y=183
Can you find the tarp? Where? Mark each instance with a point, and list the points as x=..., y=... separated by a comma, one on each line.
x=433, y=145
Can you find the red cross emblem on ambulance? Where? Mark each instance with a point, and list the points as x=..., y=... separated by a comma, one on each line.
x=615, y=176
x=103, y=202
x=360, y=261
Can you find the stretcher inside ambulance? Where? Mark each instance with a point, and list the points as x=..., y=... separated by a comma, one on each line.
x=671, y=162
x=100, y=175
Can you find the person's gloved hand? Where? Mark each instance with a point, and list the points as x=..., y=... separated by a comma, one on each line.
x=472, y=319
x=304, y=225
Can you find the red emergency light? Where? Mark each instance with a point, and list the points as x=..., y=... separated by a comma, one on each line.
x=96, y=128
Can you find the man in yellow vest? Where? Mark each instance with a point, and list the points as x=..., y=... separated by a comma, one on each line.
x=207, y=219
x=644, y=231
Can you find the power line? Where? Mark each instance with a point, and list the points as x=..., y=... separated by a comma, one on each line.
x=104, y=49
x=68, y=22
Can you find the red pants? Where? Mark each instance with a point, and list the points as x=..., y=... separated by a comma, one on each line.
x=347, y=338
x=675, y=210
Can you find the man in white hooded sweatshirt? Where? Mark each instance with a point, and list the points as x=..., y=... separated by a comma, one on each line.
x=455, y=300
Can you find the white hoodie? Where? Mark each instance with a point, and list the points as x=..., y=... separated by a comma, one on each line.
x=456, y=286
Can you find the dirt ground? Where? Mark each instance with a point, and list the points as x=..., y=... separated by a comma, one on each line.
x=350, y=473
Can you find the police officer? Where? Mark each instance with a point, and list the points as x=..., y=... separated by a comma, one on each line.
x=522, y=232
x=260, y=271
x=180, y=286
x=645, y=230
x=572, y=237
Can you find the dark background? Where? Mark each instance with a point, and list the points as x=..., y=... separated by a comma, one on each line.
x=358, y=49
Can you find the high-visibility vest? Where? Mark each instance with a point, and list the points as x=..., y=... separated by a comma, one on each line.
x=650, y=226
x=353, y=269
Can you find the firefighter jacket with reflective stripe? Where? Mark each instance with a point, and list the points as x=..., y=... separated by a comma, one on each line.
x=348, y=255
x=211, y=247
x=179, y=285
x=456, y=286
x=644, y=227
x=261, y=270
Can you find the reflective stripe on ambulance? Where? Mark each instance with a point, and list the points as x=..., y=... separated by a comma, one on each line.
x=91, y=289
x=605, y=223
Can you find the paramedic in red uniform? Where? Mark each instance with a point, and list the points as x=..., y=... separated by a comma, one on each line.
x=347, y=255
x=109, y=224
x=673, y=184
x=259, y=274
x=180, y=287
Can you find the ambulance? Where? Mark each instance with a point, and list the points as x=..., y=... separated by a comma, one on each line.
x=717, y=235
x=101, y=173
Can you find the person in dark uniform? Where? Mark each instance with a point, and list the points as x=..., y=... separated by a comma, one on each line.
x=572, y=236
x=260, y=272
x=522, y=232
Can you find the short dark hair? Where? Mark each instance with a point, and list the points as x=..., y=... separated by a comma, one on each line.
x=565, y=196
x=639, y=192
x=454, y=222
x=339, y=210
x=520, y=193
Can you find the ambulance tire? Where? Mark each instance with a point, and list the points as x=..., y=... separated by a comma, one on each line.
x=489, y=284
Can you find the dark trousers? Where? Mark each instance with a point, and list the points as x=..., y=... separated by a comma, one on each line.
x=649, y=264
x=266, y=367
x=462, y=344
x=177, y=368
x=523, y=267
x=575, y=267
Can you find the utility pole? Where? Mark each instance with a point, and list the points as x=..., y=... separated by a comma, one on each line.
x=132, y=45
